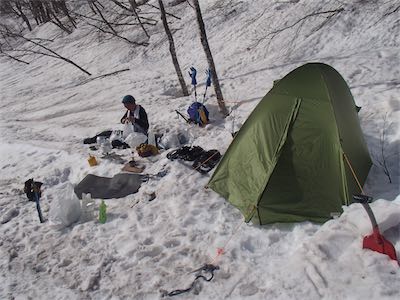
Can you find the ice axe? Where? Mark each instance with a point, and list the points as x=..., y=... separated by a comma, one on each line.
x=375, y=241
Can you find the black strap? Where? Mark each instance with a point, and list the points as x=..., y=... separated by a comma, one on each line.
x=206, y=268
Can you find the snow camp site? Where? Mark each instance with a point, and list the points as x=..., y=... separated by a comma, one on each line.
x=275, y=200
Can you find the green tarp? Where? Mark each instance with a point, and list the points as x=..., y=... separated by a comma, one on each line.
x=286, y=164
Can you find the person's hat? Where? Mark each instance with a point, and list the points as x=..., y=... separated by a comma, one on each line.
x=128, y=99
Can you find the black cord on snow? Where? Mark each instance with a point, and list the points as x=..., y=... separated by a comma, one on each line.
x=206, y=268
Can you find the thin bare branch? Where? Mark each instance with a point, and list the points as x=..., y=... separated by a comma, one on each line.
x=51, y=53
x=274, y=33
x=121, y=5
x=392, y=12
x=105, y=21
x=112, y=23
x=169, y=14
x=134, y=8
x=105, y=75
x=12, y=57
x=119, y=36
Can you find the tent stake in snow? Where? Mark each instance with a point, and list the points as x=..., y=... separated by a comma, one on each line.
x=375, y=241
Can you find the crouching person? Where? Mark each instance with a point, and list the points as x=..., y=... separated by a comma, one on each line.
x=135, y=114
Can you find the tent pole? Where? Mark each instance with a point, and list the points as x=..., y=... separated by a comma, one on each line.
x=354, y=173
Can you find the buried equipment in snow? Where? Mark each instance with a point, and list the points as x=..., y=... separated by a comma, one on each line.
x=375, y=241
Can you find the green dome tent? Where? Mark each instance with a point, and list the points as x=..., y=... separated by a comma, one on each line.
x=287, y=162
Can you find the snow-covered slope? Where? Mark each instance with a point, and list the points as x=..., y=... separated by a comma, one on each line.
x=48, y=107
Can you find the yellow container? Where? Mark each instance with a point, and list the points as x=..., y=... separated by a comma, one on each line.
x=92, y=161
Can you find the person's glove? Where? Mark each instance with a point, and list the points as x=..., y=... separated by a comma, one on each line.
x=193, y=75
x=208, y=80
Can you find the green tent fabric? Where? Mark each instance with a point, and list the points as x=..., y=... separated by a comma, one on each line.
x=286, y=164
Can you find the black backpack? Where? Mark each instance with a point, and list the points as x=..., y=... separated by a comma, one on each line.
x=31, y=187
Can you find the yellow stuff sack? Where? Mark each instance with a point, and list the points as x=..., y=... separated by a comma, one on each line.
x=145, y=150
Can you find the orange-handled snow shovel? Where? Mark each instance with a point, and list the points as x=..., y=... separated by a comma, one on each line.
x=375, y=241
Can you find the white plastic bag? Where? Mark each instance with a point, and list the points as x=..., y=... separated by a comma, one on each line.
x=174, y=139
x=127, y=130
x=116, y=135
x=66, y=208
x=135, y=139
x=128, y=126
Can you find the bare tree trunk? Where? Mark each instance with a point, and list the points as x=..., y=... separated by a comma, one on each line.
x=51, y=12
x=34, y=11
x=172, y=50
x=134, y=6
x=58, y=22
x=64, y=9
x=22, y=15
x=105, y=21
x=90, y=2
x=56, y=6
x=210, y=60
x=44, y=17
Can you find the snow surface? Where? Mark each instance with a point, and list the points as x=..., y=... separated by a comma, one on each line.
x=145, y=247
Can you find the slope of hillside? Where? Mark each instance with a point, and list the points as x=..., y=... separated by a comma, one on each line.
x=48, y=107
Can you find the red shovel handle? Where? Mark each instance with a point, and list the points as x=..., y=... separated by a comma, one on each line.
x=371, y=216
x=364, y=199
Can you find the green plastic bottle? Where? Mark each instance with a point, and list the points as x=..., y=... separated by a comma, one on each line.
x=102, y=212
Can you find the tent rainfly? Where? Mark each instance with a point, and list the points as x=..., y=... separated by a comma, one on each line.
x=288, y=162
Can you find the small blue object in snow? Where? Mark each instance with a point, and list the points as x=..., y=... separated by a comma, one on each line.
x=208, y=80
x=193, y=74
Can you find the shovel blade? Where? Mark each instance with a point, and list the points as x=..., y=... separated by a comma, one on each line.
x=376, y=242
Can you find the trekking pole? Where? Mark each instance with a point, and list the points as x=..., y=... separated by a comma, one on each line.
x=192, y=75
x=180, y=114
x=208, y=83
x=36, y=191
